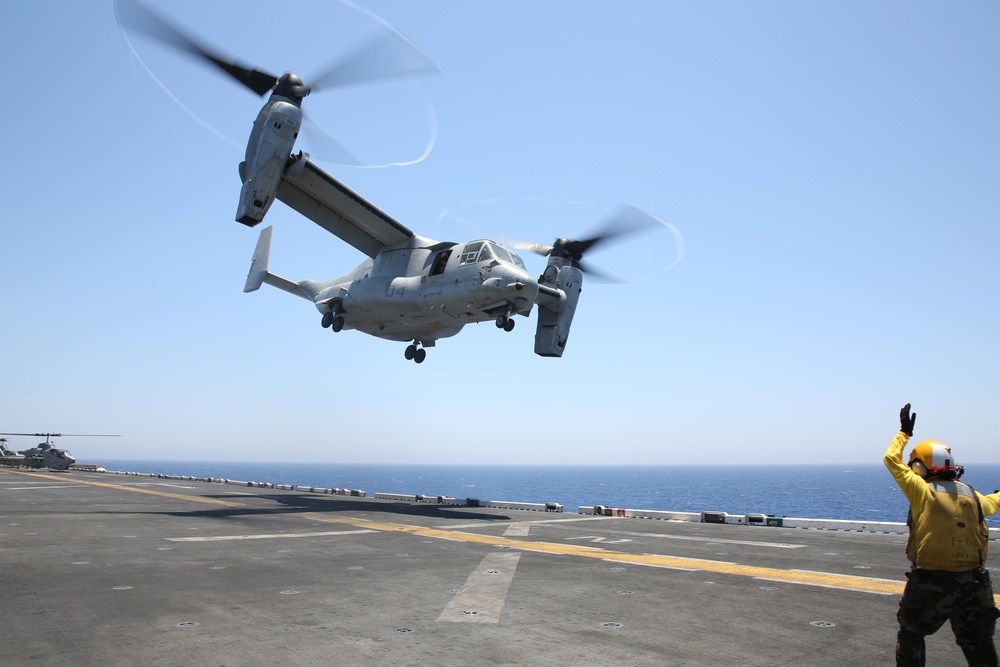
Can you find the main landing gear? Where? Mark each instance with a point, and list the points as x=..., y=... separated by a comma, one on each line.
x=332, y=321
x=505, y=322
x=415, y=353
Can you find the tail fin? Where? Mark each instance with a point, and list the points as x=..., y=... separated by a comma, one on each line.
x=259, y=274
x=261, y=257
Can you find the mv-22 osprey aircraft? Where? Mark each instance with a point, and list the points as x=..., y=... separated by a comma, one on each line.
x=410, y=288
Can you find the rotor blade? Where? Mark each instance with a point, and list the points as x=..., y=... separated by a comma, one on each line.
x=136, y=16
x=627, y=220
x=530, y=246
x=385, y=55
x=598, y=276
x=326, y=147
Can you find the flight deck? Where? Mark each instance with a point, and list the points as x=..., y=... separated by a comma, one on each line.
x=104, y=570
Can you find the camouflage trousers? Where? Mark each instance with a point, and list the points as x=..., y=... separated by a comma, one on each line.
x=932, y=597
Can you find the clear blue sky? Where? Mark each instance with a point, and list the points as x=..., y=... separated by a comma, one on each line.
x=832, y=166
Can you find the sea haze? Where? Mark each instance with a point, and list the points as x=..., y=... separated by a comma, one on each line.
x=861, y=492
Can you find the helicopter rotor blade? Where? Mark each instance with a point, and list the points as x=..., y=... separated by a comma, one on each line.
x=530, y=246
x=598, y=275
x=140, y=18
x=626, y=221
x=326, y=146
x=387, y=54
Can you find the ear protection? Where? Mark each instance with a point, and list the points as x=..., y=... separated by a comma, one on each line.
x=917, y=466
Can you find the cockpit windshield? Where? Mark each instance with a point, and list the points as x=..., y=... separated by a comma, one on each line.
x=484, y=251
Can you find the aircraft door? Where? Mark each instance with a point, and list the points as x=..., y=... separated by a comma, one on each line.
x=440, y=262
x=435, y=278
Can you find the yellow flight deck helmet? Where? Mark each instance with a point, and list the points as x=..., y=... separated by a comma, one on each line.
x=934, y=456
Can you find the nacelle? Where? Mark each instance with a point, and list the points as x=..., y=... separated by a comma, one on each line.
x=271, y=142
x=555, y=318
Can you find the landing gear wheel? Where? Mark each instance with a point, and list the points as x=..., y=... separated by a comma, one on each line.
x=502, y=321
x=420, y=355
x=508, y=325
x=327, y=320
x=337, y=324
x=410, y=353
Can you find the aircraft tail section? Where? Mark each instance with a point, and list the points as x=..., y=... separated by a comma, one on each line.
x=261, y=258
x=259, y=273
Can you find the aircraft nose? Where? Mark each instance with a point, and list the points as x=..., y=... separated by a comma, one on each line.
x=513, y=281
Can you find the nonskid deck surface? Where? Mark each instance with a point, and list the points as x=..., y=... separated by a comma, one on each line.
x=114, y=570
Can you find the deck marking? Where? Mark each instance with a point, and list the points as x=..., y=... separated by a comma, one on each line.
x=753, y=543
x=599, y=538
x=517, y=530
x=482, y=597
x=134, y=489
x=47, y=486
x=841, y=581
x=452, y=526
x=819, y=585
x=668, y=567
x=222, y=538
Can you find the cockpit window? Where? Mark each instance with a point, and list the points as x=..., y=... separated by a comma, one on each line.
x=489, y=252
x=517, y=261
x=470, y=252
x=485, y=251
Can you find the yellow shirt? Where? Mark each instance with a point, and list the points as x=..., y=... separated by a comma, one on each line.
x=945, y=530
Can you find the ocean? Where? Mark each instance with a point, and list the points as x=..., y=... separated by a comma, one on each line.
x=861, y=492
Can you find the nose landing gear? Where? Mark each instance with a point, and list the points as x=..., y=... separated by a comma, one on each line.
x=505, y=322
x=415, y=353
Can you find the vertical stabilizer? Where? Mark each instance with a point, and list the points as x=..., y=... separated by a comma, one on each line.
x=261, y=257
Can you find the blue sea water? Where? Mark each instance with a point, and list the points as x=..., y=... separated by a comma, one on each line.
x=860, y=492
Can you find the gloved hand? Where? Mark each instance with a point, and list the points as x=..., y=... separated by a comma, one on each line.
x=906, y=420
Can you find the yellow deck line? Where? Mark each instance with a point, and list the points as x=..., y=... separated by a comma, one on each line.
x=164, y=494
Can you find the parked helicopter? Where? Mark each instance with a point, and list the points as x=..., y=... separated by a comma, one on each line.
x=7, y=456
x=410, y=288
x=45, y=454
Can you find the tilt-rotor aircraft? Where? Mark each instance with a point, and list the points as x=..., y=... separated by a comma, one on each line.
x=410, y=288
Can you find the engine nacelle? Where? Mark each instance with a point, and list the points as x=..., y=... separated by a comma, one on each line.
x=271, y=142
x=555, y=318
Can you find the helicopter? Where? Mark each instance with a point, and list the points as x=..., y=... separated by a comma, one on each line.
x=45, y=454
x=7, y=456
x=410, y=288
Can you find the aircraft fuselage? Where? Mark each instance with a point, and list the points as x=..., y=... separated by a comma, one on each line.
x=423, y=306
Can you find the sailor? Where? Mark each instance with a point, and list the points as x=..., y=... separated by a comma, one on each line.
x=947, y=551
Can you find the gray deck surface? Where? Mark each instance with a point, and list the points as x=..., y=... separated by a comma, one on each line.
x=100, y=569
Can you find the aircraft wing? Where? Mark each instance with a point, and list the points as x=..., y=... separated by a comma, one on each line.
x=338, y=209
